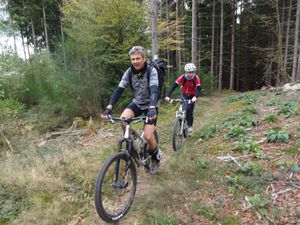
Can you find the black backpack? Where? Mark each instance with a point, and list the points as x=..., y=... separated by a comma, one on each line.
x=160, y=66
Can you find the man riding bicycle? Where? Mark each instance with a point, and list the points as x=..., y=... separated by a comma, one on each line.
x=145, y=98
x=190, y=89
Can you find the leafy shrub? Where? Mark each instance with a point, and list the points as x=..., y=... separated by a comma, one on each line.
x=270, y=118
x=235, y=131
x=288, y=109
x=259, y=204
x=247, y=146
x=234, y=98
x=250, y=110
x=10, y=109
x=276, y=134
x=288, y=166
x=251, y=168
x=273, y=102
x=247, y=121
x=211, y=132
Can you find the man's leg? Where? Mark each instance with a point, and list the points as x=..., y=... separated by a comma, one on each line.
x=149, y=136
x=127, y=113
x=153, y=147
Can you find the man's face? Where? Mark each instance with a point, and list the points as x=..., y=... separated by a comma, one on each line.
x=137, y=61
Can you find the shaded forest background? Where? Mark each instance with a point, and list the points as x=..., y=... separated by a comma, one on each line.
x=80, y=48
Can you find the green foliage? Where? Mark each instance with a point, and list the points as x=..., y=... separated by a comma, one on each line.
x=250, y=110
x=270, y=118
x=208, y=212
x=209, y=133
x=160, y=218
x=11, y=205
x=288, y=166
x=10, y=109
x=231, y=220
x=273, y=102
x=250, y=168
x=11, y=76
x=288, y=109
x=235, y=183
x=202, y=163
x=276, y=134
x=234, y=98
x=208, y=82
x=250, y=98
x=247, y=146
x=247, y=121
x=260, y=204
x=235, y=131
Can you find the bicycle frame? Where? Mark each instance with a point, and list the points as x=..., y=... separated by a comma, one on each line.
x=131, y=136
x=181, y=111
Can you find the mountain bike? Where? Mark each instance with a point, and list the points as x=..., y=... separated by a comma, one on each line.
x=180, y=127
x=117, y=179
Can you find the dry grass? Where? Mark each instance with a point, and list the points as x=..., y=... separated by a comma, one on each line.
x=55, y=180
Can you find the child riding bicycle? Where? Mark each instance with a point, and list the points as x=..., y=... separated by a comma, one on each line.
x=190, y=90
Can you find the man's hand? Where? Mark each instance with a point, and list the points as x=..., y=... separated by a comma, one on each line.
x=151, y=113
x=194, y=99
x=167, y=99
x=106, y=113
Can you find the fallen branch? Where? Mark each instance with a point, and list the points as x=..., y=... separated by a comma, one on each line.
x=275, y=195
x=261, y=141
x=229, y=158
x=293, y=184
x=65, y=133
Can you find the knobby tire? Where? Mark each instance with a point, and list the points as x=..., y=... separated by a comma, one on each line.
x=113, y=197
x=176, y=135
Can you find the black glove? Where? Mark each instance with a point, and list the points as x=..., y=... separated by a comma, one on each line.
x=151, y=112
x=106, y=112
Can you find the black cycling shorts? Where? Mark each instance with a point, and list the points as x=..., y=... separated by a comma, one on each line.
x=137, y=112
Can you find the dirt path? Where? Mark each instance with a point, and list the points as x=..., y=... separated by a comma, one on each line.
x=148, y=183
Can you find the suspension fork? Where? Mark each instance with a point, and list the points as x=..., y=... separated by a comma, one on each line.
x=128, y=144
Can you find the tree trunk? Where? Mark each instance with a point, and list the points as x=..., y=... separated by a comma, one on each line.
x=279, y=45
x=221, y=47
x=194, y=32
x=287, y=38
x=212, y=39
x=178, y=48
x=23, y=45
x=154, y=28
x=232, y=46
x=298, y=68
x=45, y=27
x=199, y=38
x=296, y=42
x=33, y=36
x=168, y=52
x=63, y=44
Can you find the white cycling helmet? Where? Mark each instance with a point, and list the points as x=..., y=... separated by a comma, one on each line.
x=189, y=67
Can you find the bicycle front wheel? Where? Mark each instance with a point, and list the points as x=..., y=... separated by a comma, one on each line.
x=177, y=134
x=115, y=187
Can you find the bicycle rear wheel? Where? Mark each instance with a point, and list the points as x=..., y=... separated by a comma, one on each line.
x=177, y=134
x=115, y=187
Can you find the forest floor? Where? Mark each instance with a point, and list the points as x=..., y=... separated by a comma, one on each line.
x=241, y=166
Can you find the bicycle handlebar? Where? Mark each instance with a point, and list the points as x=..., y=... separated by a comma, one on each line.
x=128, y=120
x=179, y=100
